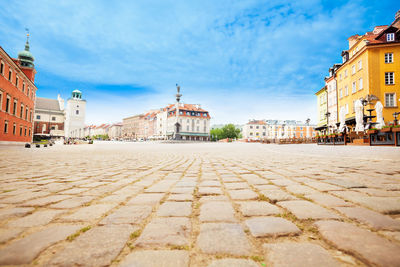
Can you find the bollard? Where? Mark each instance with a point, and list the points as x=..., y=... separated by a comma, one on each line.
x=27, y=145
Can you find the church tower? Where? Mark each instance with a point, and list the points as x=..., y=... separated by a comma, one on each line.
x=75, y=115
x=25, y=61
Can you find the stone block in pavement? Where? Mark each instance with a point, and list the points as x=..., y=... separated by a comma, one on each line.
x=204, y=191
x=232, y=263
x=72, y=202
x=14, y=212
x=271, y=226
x=217, y=211
x=363, y=244
x=387, y=205
x=301, y=189
x=25, y=250
x=320, y=186
x=223, y=238
x=182, y=190
x=150, y=258
x=23, y=197
x=288, y=254
x=303, y=209
x=35, y=219
x=210, y=183
x=344, y=183
x=277, y=195
x=128, y=215
x=257, y=208
x=96, y=247
x=205, y=199
x=89, y=213
x=39, y=202
x=234, y=186
x=161, y=232
x=175, y=209
x=180, y=197
x=146, y=199
x=374, y=219
x=328, y=200
x=243, y=194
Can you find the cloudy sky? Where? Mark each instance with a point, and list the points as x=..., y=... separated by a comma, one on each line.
x=240, y=59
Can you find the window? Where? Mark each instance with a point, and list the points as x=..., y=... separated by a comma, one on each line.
x=354, y=87
x=23, y=88
x=389, y=78
x=1, y=100
x=25, y=131
x=2, y=68
x=6, y=127
x=8, y=104
x=347, y=108
x=354, y=106
x=77, y=112
x=388, y=57
x=340, y=77
x=14, y=128
x=26, y=113
x=20, y=131
x=198, y=122
x=38, y=117
x=390, y=37
x=390, y=100
x=15, y=108
x=345, y=73
x=251, y=133
x=346, y=90
x=30, y=116
x=16, y=81
x=198, y=128
x=360, y=64
x=9, y=75
x=360, y=84
x=54, y=119
x=29, y=131
x=263, y=134
x=22, y=111
x=353, y=69
x=257, y=127
x=187, y=128
x=29, y=89
x=340, y=93
x=251, y=127
x=205, y=129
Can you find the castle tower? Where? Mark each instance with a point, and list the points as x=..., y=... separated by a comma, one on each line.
x=25, y=61
x=75, y=115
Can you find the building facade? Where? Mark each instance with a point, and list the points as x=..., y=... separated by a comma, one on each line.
x=49, y=117
x=370, y=72
x=133, y=127
x=17, y=96
x=115, y=131
x=322, y=109
x=75, y=114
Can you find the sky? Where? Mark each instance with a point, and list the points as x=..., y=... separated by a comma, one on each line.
x=240, y=60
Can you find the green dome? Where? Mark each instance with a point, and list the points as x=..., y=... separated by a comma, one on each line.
x=26, y=58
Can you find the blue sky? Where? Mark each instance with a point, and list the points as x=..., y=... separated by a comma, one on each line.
x=240, y=59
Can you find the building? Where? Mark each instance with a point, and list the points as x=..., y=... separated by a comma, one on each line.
x=115, y=131
x=49, y=117
x=17, y=96
x=277, y=129
x=371, y=71
x=75, y=116
x=331, y=90
x=133, y=127
x=322, y=109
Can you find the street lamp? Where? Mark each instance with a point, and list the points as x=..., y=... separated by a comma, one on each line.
x=395, y=117
x=327, y=114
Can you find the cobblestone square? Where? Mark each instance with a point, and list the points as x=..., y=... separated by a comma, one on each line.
x=200, y=204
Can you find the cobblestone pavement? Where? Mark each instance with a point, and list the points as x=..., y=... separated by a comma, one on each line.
x=144, y=204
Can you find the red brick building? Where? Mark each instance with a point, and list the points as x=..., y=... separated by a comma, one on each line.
x=17, y=96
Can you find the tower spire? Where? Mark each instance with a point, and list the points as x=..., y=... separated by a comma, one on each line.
x=27, y=40
x=178, y=94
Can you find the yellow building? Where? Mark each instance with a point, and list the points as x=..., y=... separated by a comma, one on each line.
x=322, y=108
x=369, y=71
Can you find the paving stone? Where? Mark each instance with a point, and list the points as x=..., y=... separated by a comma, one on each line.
x=328, y=200
x=146, y=199
x=378, y=192
x=150, y=258
x=178, y=209
x=320, y=186
x=160, y=187
x=236, y=186
x=257, y=208
x=204, y=191
x=45, y=200
x=301, y=189
x=7, y=234
x=271, y=226
x=365, y=245
x=14, y=212
x=23, y=197
x=74, y=191
x=182, y=190
x=180, y=197
x=72, y=202
x=243, y=194
x=217, y=211
x=232, y=262
x=213, y=198
x=35, y=219
x=96, y=247
x=89, y=213
x=303, y=209
x=277, y=195
x=161, y=232
x=186, y=184
x=128, y=215
x=374, y=219
x=223, y=238
x=387, y=205
x=114, y=199
x=210, y=183
x=25, y=250
x=344, y=183
x=298, y=254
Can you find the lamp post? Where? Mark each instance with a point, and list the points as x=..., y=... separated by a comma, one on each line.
x=327, y=114
x=395, y=117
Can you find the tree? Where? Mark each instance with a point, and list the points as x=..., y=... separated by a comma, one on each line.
x=228, y=131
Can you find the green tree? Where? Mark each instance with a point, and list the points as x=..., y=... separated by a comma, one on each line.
x=228, y=131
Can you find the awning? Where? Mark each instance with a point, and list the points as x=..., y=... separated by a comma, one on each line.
x=320, y=128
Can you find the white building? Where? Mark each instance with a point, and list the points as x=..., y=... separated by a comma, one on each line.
x=331, y=85
x=49, y=117
x=115, y=131
x=75, y=116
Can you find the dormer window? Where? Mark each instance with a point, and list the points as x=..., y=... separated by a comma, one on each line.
x=344, y=59
x=390, y=37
